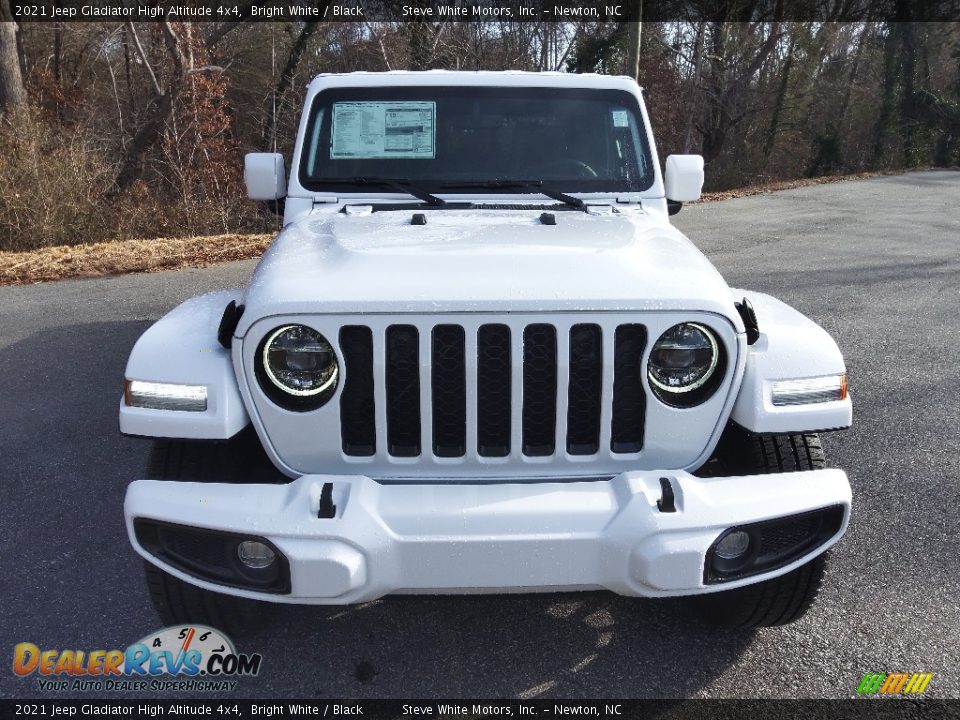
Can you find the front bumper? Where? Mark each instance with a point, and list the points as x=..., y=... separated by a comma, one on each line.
x=475, y=538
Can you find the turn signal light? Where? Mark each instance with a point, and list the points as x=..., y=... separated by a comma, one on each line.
x=810, y=390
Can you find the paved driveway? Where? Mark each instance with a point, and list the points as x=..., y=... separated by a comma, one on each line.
x=876, y=262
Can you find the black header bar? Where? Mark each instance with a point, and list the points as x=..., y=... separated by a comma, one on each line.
x=511, y=11
x=226, y=708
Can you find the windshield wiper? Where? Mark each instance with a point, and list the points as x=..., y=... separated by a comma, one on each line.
x=519, y=186
x=399, y=184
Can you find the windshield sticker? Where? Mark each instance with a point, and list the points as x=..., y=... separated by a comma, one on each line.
x=619, y=118
x=373, y=130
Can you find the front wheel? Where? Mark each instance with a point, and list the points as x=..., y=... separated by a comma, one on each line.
x=783, y=599
x=180, y=603
x=779, y=601
x=240, y=459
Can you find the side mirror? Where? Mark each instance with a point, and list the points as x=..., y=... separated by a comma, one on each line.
x=265, y=176
x=683, y=178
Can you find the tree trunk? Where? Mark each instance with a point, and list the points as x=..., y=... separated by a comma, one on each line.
x=159, y=110
x=633, y=49
x=57, y=52
x=888, y=101
x=727, y=90
x=852, y=81
x=13, y=96
x=420, y=35
x=780, y=101
x=908, y=63
x=297, y=50
x=694, y=89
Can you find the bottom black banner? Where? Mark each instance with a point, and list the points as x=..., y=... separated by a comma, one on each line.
x=852, y=709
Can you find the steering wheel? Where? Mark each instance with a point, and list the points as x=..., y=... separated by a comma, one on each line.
x=580, y=167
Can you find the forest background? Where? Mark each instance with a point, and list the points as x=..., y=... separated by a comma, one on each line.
x=137, y=130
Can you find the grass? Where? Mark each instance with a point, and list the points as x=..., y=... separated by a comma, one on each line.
x=129, y=256
x=126, y=256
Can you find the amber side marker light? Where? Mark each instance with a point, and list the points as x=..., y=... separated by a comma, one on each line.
x=165, y=396
x=809, y=390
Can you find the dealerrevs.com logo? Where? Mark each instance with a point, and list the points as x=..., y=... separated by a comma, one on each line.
x=889, y=684
x=192, y=657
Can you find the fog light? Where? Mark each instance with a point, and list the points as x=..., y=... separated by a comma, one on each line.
x=733, y=546
x=255, y=555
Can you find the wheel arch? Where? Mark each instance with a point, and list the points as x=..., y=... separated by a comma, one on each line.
x=182, y=348
x=791, y=347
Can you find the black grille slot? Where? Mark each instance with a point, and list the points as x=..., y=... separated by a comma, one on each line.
x=583, y=393
x=403, y=391
x=539, y=389
x=449, y=390
x=357, y=422
x=493, y=391
x=496, y=433
x=629, y=401
x=197, y=549
x=777, y=538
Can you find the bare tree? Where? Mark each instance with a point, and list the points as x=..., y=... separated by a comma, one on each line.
x=633, y=49
x=13, y=96
x=735, y=61
x=297, y=49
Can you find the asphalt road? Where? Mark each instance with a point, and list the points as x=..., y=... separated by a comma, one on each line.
x=876, y=262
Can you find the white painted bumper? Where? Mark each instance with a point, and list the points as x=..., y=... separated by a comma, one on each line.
x=460, y=538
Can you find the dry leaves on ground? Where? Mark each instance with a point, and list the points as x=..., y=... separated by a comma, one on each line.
x=775, y=185
x=126, y=256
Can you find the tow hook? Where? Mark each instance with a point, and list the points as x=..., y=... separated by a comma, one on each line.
x=327, y=508
x=666, y=503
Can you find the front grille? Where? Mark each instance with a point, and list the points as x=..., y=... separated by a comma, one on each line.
x=403, y=391
x=539, y=389
x=583, y=393
x=357, y=421
x=449, y=380
x=493, y=390
x=629, y=401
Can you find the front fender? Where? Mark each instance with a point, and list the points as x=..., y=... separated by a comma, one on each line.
x=790, y=347
x=182, y=348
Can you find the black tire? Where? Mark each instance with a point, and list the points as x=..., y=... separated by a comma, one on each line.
x=773, y=602
x=241, y=459
x=740, y=452
x=238, y=460
x=786, y=598
x=180, y=603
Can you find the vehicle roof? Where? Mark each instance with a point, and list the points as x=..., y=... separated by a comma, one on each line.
x=501, y=78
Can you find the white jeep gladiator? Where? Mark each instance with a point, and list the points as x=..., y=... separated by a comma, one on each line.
x=479, y=359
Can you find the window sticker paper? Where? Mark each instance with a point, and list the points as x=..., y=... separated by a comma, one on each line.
x=376, y=130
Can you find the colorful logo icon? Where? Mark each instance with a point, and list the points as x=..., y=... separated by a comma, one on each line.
x=185, y=652
x=886, y=684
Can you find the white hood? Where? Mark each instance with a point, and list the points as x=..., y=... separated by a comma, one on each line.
x=482, y=261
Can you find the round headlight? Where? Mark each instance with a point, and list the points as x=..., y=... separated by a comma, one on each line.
x=299, y=361
x=683, y=360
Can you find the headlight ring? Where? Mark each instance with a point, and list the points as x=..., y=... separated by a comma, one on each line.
x=297, y=367
x=686, y=365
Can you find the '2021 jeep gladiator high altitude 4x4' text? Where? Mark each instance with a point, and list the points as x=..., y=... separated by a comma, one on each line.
x=478, y=358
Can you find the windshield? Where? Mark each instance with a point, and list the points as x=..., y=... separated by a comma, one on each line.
x=443, y=138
